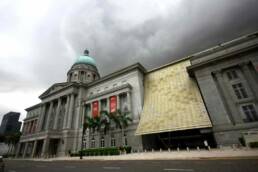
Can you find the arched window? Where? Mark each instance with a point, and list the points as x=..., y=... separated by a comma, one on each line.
x=113, y=141
x=102, y=142
x=92, y=145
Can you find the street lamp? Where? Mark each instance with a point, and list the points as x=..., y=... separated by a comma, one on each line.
x=84, y=127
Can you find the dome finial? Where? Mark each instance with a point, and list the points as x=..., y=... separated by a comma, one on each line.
x=86, y=52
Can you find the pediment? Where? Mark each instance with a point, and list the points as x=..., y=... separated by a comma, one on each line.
x=54, y=88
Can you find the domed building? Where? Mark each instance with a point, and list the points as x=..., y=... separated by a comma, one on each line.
x=54, y=126
x=202, y=100
x=84, y=70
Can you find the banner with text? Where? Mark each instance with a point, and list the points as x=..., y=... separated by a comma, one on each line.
x=95, y=109
x=113, y=104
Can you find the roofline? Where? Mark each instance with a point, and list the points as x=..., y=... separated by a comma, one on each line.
x=224, y=45
x=12, y=112
x=42, y=95
x=230, y=54
x=32, y=107
x=119, y=72
x=169, y=64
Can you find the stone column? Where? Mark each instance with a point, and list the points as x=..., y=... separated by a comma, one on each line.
x=45, y=148
x=30, y=127
x=129, y=101
x=57, y=114
x=34, y=148
x=49, y=114
x=249, y=78
x=18, y=150
x=66, y=111
x=108, y=105
x=118, y=102
x=91, y=109
x=227, y=99
x=25, y=150
x=41, y=117
x=71, y=110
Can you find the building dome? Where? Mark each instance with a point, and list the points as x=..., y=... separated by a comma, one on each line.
x=85, y=60
x=83, y=70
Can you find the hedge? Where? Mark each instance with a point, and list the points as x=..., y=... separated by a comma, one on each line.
x=103, y=151
x=253, y=144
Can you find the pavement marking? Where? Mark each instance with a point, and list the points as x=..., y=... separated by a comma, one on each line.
x=40, y=166
x=174, y=169
x=111, y=168
x=69, y=166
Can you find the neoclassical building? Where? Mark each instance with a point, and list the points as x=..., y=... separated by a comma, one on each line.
x=209, y=98
x=54, y=126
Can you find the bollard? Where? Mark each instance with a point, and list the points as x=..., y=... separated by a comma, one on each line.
x=178, y=149
x=160, y=150
x=145, y=150
x=187, y=148
x=152, y=150
x=169, y=150
x=209, y=148
x=198, y=148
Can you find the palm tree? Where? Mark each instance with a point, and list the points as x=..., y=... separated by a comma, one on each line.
x=105, y=121
x=121, y=120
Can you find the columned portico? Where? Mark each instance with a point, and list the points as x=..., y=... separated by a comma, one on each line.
x=41, y=117
x=25, y=150
x=71, y=110
x=57, y=113
x=18, y=150
x=49, y=115
x=66, y=111
x=34, y=148
x=45, y=148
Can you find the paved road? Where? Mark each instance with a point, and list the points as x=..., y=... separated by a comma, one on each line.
x=245, y=165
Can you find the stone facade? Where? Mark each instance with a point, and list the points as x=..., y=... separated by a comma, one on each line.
x=54, y=126
x=170, y=108
x=228, y=80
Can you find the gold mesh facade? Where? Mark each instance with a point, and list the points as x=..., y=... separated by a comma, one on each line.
x=172, y=101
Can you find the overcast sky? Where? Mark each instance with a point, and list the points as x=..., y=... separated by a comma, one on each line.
x=40, y=40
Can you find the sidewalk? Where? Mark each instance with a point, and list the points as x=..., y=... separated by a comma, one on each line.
x=166, y=155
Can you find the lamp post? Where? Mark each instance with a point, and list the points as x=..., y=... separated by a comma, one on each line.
x=84, y=127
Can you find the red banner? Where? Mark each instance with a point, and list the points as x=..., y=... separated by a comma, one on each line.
x=113, y=104
x=95, y=109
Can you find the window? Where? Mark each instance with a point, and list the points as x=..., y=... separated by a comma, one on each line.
x=125, y=139
x=92, y=145
x=102, y=142
x=250, y=113
x=232, y=75
x=240, y=91
x=84, y=142
x=103, y=104
x=113, y=142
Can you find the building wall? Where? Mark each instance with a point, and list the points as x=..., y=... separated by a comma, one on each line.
x=172, y=101
x=224, y=105
x=116, y=86
x=10, y=123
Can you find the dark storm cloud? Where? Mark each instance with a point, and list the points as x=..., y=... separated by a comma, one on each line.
x=194, y=26
x=43, y=43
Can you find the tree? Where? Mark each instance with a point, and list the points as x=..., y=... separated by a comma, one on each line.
x=121, y=120
x=105, y=121
x=12, y=139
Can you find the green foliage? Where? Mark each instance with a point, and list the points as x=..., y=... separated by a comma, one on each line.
x=103, y=151
x=126, y=149
x=120, y=119
x=11, y=138
x=253, y=144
